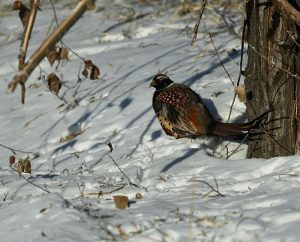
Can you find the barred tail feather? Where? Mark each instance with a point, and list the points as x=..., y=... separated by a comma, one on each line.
x=228, y=129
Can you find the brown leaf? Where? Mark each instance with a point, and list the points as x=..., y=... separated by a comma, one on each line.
x=27, y=166
x=90, y=70
x=87, y=68
x=85, y=73
x=91, y=6
x=138, y=196
x=63, y=53
x=12, y=160
x=54, y=83
x=20, y=168
x=121, y=202
x=71, y=136
x=240, y=92
x=52, y=56
x=110, y=147
x=24, y=12
x=16, y=5
x=43, y=210
x=95, y=73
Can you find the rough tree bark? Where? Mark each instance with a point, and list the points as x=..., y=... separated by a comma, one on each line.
x=273, y=75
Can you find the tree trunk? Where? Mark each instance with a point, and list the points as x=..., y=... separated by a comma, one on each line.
x=272, y=77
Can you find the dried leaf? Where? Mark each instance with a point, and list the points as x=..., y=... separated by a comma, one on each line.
x=27, y=166
x=24, y=12
x=240, y=92
x=63, y=53
x=91, y=6
x=52, y=56
x=90, y=70
x=95, y=73
x=12, y=160
x=16, y=5
x=87, y=68
x=110, y=147
x=43, y=210
x=54, y=83
x=20, y=168
x=121, y=202
x=71, y=136
x=85, y=73
x=138, y=196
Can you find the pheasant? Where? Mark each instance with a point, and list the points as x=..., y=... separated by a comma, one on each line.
x=182, y=113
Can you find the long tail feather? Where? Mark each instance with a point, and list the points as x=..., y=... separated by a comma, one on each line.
x=228, y=129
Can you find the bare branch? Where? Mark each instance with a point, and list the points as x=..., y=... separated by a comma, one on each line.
x=217, y=53
x=49, y=43
x=241, y=67
x=216, y=190
x=15, y=151
x=198, y=21
x=27, y=33
x=130, y=183
x=30, y=182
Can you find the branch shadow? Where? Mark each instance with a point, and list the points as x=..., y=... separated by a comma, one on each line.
x=188, y=154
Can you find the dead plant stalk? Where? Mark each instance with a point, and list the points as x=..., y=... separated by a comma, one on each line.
x=27, y=33
x=22, y=76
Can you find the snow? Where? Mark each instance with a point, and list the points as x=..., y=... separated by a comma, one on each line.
x=254, y=199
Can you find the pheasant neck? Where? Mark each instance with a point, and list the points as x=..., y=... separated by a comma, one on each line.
x=163, y=88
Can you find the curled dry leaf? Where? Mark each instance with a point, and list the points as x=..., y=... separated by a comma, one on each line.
x=90, y=70
x=63, y=53
x=91, y=6
x=16, y=5
x=27, y=166
x=12, y=160
x=110, y=146
x=43, y=210
x=138, y=196
x=240, y=92
x=54, y=83
x=57, y=54
x=52, y=56
x=24, y=11
x=20, y=167
x=121, y=202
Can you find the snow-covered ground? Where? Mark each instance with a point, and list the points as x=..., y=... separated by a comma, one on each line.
x=187, y=194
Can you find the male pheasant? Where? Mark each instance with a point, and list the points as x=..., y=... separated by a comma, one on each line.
x=182, y=113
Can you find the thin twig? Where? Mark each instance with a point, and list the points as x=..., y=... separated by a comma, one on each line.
x=30, y=182
x=20, y=151
x=198, y=22
x=81, y=190
x=236, y=149
x=241, y=67
x=25, y=42
x=139, y=16
x=217, y=53
x=212, y=188
x=119, y=168
x=5, y=197
x=41, y=52
x=27, y=33
x=100, y=193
